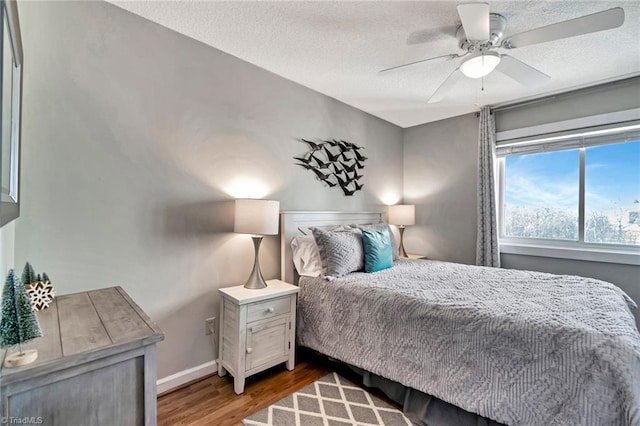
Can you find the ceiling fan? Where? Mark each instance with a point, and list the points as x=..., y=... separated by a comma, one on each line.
x=480, y=35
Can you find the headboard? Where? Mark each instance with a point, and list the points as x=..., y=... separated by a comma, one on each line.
x=291, y=223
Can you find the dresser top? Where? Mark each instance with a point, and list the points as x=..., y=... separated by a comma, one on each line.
x=275, y=288
x=83, y=326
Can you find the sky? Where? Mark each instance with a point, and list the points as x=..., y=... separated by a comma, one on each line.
x=551, y=179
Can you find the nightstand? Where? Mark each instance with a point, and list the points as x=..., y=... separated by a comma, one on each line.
x=257, y=330
x=417, y=256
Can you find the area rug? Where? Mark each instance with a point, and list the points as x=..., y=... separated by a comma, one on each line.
x=330, y=401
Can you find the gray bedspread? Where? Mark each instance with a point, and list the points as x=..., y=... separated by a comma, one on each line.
x=519, y=347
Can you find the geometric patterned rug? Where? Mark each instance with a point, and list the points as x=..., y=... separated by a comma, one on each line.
x=330, y=401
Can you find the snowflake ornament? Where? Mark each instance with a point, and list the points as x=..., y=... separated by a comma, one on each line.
x=41, y=294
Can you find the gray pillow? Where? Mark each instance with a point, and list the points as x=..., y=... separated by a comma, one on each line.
x=341, y=252
x=380, y=227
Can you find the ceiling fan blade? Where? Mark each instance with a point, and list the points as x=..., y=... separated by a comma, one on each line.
x=475, y=20
x=600, y=21
x=521, y=72
x=450, y=56
x=432, y=34
x=445, y=87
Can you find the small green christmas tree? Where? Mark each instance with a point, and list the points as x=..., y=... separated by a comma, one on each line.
x=28, y=274
x=38, y=278
x=19, y=322
x=45, y=277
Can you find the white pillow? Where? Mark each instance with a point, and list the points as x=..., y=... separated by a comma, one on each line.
x=306, y=256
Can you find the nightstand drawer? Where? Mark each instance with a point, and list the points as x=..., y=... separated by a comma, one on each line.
x=268, y=309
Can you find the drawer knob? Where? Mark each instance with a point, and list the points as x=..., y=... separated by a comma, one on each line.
x=249, y=350
x=270, y=310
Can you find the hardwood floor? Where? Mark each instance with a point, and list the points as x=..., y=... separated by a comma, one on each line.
x=211, y=401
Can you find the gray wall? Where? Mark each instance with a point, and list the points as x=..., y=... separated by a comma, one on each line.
x=7, y=249
x=133, y=138
x=440, y=178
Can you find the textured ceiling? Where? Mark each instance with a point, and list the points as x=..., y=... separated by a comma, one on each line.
x=338, y=47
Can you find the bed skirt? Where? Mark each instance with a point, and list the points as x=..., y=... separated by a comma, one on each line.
x=421, y=408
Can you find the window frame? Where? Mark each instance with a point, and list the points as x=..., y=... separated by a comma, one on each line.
x=576, y=250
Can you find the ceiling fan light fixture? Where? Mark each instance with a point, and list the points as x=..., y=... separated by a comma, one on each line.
x=480, y=64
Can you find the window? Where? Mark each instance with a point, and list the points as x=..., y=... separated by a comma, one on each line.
x=612, y=194
x=541, y=195
x=576, y=189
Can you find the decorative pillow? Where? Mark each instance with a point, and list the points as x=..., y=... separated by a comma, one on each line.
x=340, y=252
x=379, y=227
x=306, y=256
x=377, y=250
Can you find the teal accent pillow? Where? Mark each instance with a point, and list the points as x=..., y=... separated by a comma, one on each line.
x=378, y=254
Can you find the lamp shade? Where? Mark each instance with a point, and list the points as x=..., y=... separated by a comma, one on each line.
x=257, y=217
x=402, y=214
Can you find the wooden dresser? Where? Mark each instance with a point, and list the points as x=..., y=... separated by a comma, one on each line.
x=96, y=365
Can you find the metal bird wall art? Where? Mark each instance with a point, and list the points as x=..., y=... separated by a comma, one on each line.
x=334, y=162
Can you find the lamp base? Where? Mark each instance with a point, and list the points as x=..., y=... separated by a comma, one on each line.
x=256, y=281
x=401, y=251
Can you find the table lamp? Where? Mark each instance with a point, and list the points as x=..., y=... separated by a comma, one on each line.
x=256, y=217
x=402, y=215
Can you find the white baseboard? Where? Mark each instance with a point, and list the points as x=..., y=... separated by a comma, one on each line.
x=185, y=376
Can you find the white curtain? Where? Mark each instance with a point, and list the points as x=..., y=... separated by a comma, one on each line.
x=487, y=252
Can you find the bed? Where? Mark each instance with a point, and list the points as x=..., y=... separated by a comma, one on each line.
x=514, y=347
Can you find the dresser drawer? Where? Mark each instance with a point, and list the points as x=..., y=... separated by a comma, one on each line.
x=268, y=309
